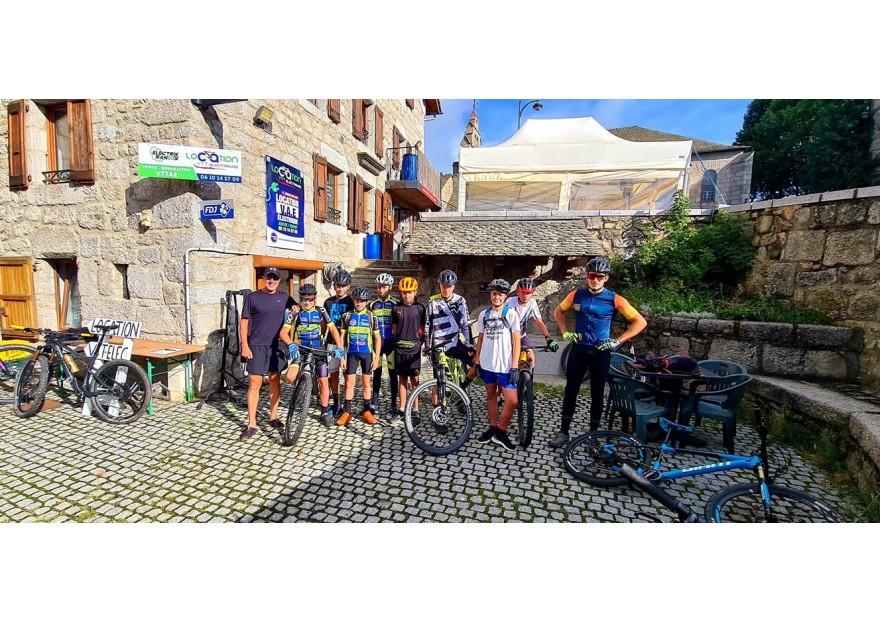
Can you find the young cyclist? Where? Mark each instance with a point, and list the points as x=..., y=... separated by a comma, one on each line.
x=336, y=307
x=408, y=322
x=448, y=322
x=498, y=349
x=527, y=308
x=382, y=306
x=308, y=329
x=360, y=333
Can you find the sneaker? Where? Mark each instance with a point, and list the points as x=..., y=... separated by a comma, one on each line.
x=369, y=417
x=501, y=439
x=560, y=441
x=487, y=436
x=398, y=415
x=275, y=423
x=247, y=434
x=327, y=419
x=344, y=418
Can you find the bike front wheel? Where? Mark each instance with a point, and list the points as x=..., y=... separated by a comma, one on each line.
x=30, y=387
x=525, y=410
x=744, y=503
x=442, y=429
x=566, y=353
x=587, y=457
x=298, y=412
x=12, y=359
x=122, y=392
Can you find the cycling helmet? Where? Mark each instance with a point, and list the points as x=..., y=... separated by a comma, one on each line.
x=526, y=285
x=599, y=264
x=448, y=277
x=408, y=284
x=499, y=285
x=361, y=293
x=385, y=279
x=342, y=277
x=308, y=289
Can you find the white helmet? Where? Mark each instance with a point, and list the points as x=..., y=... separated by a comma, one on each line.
x=385, y=279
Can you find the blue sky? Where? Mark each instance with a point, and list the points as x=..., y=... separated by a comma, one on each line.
x=715, y=120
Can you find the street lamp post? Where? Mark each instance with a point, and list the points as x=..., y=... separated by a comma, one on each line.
x=538, y=105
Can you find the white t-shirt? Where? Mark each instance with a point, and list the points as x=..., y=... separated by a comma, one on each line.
x=525, y=311
x=497, y=351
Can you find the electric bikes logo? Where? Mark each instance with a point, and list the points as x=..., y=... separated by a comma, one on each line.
x=208, y=159
x=159, y=155
x=286, y=176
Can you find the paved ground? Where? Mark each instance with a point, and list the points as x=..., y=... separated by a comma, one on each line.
x=185, y=463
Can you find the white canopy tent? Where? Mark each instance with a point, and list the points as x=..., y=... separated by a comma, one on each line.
x=571, y=164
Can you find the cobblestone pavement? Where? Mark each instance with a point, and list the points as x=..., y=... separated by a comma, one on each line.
x=185, y=463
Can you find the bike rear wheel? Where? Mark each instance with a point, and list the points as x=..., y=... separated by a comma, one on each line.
x=442, y=429
x=122, y=392
x=12, y=359
x=525, y=410
x=566, y=353
x=298, y=411
x=30, y=387
x=743, y=504
x=586, y=457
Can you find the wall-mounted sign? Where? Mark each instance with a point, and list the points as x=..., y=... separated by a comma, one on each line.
x=212, y=210
x=195, y=163
x=285, y=199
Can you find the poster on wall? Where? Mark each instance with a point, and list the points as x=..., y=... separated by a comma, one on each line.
x=193, y=163
x=285, y=201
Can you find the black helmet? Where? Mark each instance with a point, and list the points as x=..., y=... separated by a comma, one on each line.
x=342, y=277
x=447, y=277
x=526, y=285
x=361, y=293
x=599, y=264
x=499, y=285
x=308, y=289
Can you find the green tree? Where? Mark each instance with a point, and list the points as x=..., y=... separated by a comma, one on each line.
x=804, y=146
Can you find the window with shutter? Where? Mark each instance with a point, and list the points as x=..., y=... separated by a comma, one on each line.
x=320, y=198
x=361, y=214
x=16, y=117
x=333, y=110
x=357, y=119
x=395, y=159
x=82, y=150
x=379, y=131
x=352, y=203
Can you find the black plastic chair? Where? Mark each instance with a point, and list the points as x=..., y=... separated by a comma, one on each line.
x=637, y=400
x=716, y=398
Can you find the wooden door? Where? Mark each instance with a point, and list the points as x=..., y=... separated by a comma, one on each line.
x=17, y=305
x=387, y=228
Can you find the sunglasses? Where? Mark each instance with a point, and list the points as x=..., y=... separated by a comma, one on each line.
x=271, y=277
x=307, y=298
x=596, y=275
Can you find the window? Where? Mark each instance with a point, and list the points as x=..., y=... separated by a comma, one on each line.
x=68, y=304
x=707, y=187
x=333, y=110
x=58, y=132
x=314, y=102
x=360, y=113
x=334, y=214
x=326, y=192
x=358, y=200
x=15, y=121
x=123, y=273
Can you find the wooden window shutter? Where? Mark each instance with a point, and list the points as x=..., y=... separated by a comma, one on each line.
x=352, y=203
x=333, y=110
x=387, y=215
x=82, y=150
x=380, y=211
x=16, y=117
x=411, y=104
x=395, y=159
x=320, y=189
x=360, y=208
x=357, y=121
x=380, y=130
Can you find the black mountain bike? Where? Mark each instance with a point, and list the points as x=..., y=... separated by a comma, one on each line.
x=522, y=427
x=304, y=386
x=118, y=390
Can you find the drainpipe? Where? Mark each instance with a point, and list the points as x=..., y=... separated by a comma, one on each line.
x=187, y=322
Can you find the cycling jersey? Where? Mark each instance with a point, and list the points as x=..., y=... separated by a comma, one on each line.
x=308, y=326
x=336, y=308
x=595, y=312
x=359, y=327
x=525, y=311
x=383, y=308
x=408, y=321
x=446, y=319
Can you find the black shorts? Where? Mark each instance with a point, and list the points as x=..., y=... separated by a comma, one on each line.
x=408, y=363
x=364, y=358
x=267, y=359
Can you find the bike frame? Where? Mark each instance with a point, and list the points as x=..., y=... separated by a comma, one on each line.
x=54, y=349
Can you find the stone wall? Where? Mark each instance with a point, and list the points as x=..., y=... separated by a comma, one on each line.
x=103, y=226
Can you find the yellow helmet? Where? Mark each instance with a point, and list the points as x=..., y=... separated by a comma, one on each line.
x=408, y=284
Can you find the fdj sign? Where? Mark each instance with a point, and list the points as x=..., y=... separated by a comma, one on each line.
x=213, y=210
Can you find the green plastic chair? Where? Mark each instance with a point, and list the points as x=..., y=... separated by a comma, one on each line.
x=716, y=398
x=629, y=397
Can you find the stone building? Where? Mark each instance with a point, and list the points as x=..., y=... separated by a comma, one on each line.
x=85, y=233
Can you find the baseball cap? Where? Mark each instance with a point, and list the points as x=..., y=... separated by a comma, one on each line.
x=272, y=271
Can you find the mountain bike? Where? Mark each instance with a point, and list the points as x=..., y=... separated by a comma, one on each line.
x=118, y=390
x=522, y=428
x=448, y=425
x=305, y=385
x=12, y=357
x=597, y=458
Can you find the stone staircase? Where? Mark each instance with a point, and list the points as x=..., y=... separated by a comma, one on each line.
x=365, y=274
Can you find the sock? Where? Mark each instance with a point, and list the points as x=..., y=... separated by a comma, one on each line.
x=393, y=381
x=347, y=406
x=336, y=401
x=377, y=381
x=367, y=405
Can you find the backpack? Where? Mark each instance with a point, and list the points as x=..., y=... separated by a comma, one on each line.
x=670, y=364
x=504, y=311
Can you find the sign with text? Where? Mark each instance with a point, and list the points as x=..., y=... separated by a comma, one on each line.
x=194, y=163
x=213, y=210
x=111, y=351
x=132, y=330
x=285, y=199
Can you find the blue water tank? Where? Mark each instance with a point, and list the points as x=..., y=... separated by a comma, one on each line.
x=410, y=170
x=373, y=246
